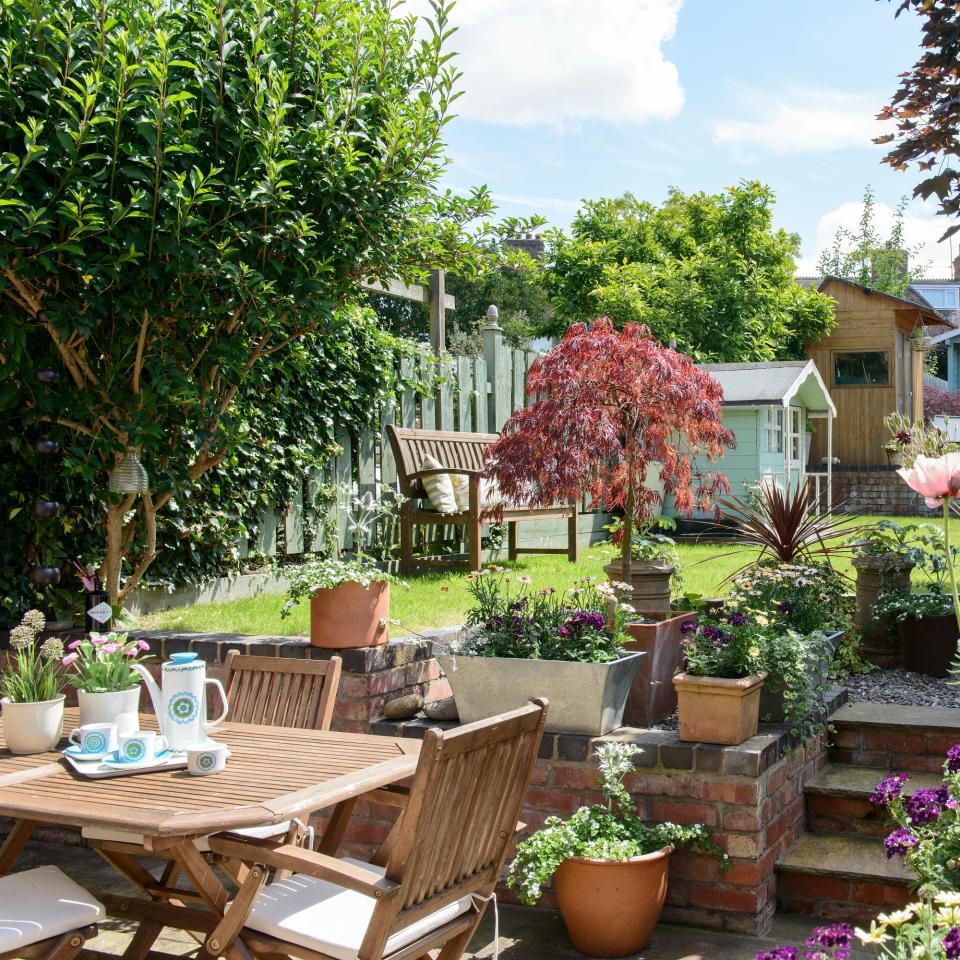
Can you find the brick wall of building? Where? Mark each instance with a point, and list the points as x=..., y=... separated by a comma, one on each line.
x=876, y=492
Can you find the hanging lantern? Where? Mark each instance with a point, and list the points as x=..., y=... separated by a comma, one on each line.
x=129, y=475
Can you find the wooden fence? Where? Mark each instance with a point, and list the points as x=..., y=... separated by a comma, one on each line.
x=469, y=394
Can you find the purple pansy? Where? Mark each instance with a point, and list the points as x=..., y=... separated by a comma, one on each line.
x=951, y=944
x=737, y=619
x=889, y=788
x=953, y=759
x=899, y=842
x=688, y=626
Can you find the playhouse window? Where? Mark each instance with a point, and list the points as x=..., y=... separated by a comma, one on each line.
x=773, y=429
x=867, y=368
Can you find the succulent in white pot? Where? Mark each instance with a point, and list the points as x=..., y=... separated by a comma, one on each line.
x=30, y=685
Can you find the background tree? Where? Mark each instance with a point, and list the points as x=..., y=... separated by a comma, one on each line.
x=926, y=108
x=613, y=406
x=706, y=270
x=865, y=258
x=186, y=190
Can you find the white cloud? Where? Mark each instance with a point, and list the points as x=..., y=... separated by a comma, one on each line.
x=561, y=62
x=921, y=228
x=806, y=122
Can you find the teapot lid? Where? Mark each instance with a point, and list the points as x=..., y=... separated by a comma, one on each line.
x=185, y=657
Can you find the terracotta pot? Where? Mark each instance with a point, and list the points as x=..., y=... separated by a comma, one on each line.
x=650, y=584
x=652, y=696
x=611, y=907
x=929, y=644
x=879, y=639
x=350, y=615
x=717, y=710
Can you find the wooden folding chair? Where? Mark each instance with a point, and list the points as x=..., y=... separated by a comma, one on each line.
x=429, y=883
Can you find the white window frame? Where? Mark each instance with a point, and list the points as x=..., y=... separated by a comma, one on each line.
x=795, y=434
x=773, y=430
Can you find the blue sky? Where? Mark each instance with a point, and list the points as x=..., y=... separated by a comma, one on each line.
x=572, y=99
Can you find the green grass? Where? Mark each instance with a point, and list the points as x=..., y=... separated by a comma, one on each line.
x=440, y=599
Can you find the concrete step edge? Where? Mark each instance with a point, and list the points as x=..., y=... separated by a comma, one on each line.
x=836, y=855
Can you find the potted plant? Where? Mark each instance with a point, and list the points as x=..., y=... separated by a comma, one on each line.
x=809, y=429
x=610, y=868
x=31, y=684
x=654, y=564
x=718, y=694
x=616, y=417
x=108, y=688
x=349, y=596
x=928, y=629
x=521, y=643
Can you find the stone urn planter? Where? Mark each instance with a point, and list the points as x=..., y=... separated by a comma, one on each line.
x=818, y=672
x=876, y=574
x=610, y=908
x=718, y=710
x=652, y=696
x=585, y=698
x=928, y=645
x=33, y=727
x=350, y=615
x=649, y=582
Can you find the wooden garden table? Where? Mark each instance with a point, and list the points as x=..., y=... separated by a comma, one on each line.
x=274, y=774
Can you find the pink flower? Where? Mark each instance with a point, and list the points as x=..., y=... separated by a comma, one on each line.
x=98, y=638
x=69, y=658
x=934, y=478
x=75, y=644
x=110, y=647
x=143, y=645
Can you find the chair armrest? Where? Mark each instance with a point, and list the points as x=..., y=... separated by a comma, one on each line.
x=300, y=860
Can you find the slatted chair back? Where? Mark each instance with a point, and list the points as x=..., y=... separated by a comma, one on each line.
x=454, y=835
x=458, y=451
x=281, y=691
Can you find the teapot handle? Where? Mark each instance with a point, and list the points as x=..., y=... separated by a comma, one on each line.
x=226, y=706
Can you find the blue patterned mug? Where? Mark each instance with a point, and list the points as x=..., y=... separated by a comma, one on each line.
x=141, y=746
x=95, y=738
x=206, y=759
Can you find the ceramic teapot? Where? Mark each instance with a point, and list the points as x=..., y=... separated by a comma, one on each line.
x=180, y=702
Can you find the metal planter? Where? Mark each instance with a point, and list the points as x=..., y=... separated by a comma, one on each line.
x=585, y=698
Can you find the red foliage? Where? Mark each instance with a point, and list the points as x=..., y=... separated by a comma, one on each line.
x=613, y=403
x=940, y=403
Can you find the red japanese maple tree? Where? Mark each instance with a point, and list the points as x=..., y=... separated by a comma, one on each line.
x=613, y=404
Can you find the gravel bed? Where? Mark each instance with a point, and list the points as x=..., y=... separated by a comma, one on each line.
x=903, y=687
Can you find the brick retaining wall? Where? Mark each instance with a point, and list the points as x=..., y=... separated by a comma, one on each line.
x=876, y=492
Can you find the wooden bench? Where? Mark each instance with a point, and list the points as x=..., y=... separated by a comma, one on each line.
x=461, y=453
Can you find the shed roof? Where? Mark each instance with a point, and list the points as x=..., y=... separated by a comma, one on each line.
x=772, y=383
x=912, y=297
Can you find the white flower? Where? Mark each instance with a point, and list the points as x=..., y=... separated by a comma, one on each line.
x=34, y=619
x=876, y=934
x=948, y=899
x=895, y=919
x=52, y=649
x=21, y=637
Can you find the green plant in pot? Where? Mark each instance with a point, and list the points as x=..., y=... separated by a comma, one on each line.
x=610, y=869
x=654, y=563
x=520, y=642
x=30, y=684
x=349, y=595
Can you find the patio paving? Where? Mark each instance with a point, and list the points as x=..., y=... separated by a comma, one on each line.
x=525, y=934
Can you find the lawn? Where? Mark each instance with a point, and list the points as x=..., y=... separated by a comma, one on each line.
x=441, y=599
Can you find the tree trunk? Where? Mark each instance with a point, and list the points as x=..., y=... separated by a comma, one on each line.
x=626, y=547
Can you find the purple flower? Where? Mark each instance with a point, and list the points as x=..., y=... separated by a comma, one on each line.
x=951, y=944
x=563, y=631
x=953, y=759
x=737, y=619
x=688, y=626
x=889, y=788
x=925, y=806
x=786, y=607
x=778, y=953
x=899, y=842
x=836, y=937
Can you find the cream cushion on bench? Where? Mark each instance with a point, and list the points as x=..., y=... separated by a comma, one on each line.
x=123, y=836
x=42, y=903
x=440, y=487
x=332, y=920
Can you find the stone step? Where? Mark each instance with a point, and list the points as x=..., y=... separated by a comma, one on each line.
x=838, y=799
x=846, y=878
x=894, y=737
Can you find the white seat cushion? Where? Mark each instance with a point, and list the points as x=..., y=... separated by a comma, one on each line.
x=328, y=918
x=123, y=836
x=41, y=903
x=439, y=487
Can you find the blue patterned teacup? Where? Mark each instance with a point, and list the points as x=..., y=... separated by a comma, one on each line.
x=141, y=746
x=95, y=738
x=206, y=758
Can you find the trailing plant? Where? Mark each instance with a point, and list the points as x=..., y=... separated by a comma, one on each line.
x=31, y=674
x=327, y=573
x=103, y=663
x=609, y=831
x=510, y=619
x=608, y=407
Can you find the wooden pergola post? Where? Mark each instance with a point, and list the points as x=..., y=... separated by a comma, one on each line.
x=436, y=298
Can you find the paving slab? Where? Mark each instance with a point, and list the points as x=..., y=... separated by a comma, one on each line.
x=844, y=780
x=897, y=715
x=833, y=855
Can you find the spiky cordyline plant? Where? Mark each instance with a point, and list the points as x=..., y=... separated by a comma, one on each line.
x=613, y=405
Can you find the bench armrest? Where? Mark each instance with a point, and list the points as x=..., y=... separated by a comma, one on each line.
x=420, y=474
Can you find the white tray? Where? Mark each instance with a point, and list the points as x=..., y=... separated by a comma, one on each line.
x=98, y=770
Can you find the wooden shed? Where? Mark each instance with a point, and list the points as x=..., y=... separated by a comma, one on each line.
x=872, y=362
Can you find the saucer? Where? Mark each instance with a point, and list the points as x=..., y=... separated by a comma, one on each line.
x=75, y=753
x=114, y=761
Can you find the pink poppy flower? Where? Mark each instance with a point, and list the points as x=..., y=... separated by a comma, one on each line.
x=934, y=478
x=69, y=658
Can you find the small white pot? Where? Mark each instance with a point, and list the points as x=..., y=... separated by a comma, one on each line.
x=32, y=727
x=121, y=707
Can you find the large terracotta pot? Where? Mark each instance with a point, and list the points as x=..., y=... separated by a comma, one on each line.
x=652, y=696
x=649, y=582
x=879, y=640
x=611, y=907
x=929, y=644
x=350, y=615
x=717, y=710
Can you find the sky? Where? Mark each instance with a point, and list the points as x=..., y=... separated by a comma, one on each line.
x=566, y=100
